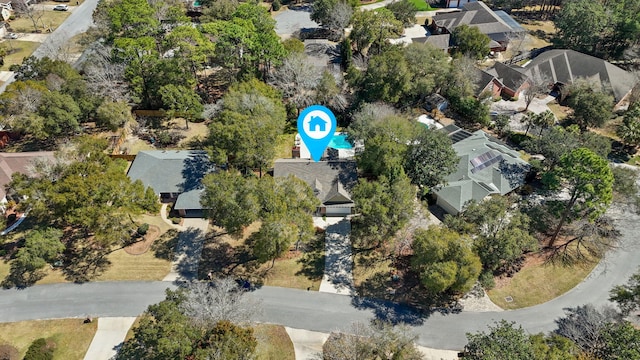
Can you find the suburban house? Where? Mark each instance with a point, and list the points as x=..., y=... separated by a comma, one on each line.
x=11, y=163
x=175, y=175
x=560, y=67
x=497, y=25
x=331, y=182
x=486, y=167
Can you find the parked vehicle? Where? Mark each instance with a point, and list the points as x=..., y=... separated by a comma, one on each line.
x=11, y=36
x=61, y=8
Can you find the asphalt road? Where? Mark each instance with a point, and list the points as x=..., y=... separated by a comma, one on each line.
x=79, y=21
x=326, y=312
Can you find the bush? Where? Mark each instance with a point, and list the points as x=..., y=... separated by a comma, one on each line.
x=486, y=280
x=276, y=5
x=175, y=220
x=515, y=98
x=12, y=217
x=142, y=229
x=39, y=350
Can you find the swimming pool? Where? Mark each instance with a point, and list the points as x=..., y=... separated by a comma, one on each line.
x=339, y=141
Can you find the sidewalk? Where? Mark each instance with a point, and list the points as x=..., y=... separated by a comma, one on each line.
x=111, y=333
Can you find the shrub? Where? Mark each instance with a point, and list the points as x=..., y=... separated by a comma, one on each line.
x=39, y=350
x=486, y=280
x=276, y=5
x=142, y=229
x=515, y=98
x=175, y=220
x=12, y=217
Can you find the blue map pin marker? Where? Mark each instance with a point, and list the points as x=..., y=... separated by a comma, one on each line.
x=316, y=125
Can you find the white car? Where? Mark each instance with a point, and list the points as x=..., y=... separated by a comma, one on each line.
x=11, y=36
x=61, y=8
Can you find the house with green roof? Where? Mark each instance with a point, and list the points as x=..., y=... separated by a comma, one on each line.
x=175, y=175
x=486, y=167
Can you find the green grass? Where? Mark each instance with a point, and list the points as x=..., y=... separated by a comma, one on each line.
x=21, y=50
x=50, y=18
x=71, y=336
x=539, y=283
x=421, y=5
x=273, y=343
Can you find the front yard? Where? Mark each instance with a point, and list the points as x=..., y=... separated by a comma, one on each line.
x=71, y=337
x=18, y=50
x=224, y=255
x=49, y=20
x=538, y=282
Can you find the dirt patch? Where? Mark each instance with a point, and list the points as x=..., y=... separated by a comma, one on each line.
x=530, y=260
x=143, y=246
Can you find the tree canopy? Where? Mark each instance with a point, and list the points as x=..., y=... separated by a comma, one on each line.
x=628, y=295
x=234, y=202
x=444, y=261
x=244, y=133
x=430, y=159
x=469, y=40
x=589, y=182
x=168, y=331
x=592, y=107
x=383, y=206
x=504, y=341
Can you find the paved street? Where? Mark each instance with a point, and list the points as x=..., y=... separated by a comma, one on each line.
x=325, y=312
x=78, y=22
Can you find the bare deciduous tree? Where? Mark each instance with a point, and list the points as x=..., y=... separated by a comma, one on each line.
x=33, y=12
x=374, y=341
x=104, y=76
x=583, y=325
x=222, y=299
x=297, y=78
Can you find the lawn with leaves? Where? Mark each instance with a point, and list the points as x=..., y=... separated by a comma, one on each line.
x=50, y=19
x=273, y=343
x=538, y=282
x=71, y=336
x=18, y=50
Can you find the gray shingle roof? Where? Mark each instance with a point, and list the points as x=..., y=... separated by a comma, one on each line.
x=331, y=180
x=565, y=66
x=441, y=42
x=173, y=171
x=473, y=181
x=479, y=15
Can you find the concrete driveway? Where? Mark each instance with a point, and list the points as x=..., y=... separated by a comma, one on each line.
x=110, y=335
x=292, y=20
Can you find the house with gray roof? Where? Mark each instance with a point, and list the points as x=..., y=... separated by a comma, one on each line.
x=497, y=25
x=331, y=182
x=175, y=175
x=486, y=167
x=562, y=67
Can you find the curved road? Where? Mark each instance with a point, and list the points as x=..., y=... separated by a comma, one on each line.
x=326, y=312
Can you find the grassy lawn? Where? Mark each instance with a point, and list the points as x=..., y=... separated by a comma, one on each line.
x=231, y=256
x=22, y=49
x=421, y=5
x=71, y=336
x=123, y=266
x=561, y=112
x=537, y=283
x=51, y=19
x=273, y=343
x=371, y=274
